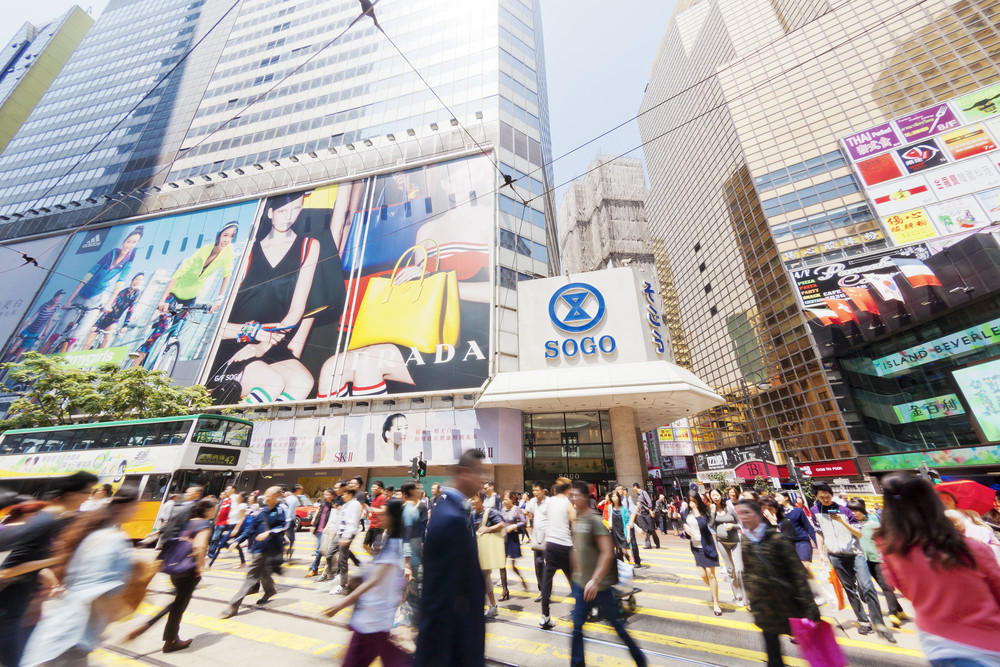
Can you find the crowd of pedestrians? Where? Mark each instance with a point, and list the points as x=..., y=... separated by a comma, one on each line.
x=433, y=559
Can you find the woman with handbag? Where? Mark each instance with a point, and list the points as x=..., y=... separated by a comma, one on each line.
x=513, y=521
x=618, y=517
x=99, y=566
x=952, y=580
x=698, y=524
x=727, y=533
x=184, y=574
x=776, y=581
x=487, y=524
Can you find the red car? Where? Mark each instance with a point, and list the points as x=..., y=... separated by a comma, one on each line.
x=304, y=513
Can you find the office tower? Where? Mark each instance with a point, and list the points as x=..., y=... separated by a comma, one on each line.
x=742, y=119
x=30, y=62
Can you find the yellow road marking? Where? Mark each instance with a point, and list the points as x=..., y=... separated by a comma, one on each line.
x=111, y=659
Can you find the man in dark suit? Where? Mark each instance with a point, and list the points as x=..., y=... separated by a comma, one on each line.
x=452, y=623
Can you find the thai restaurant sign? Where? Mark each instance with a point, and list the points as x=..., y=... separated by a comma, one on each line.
x=935, y=171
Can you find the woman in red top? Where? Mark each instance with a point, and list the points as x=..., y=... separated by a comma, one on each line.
x=952, y=581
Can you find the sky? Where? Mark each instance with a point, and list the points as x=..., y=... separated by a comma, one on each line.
x=598, y=59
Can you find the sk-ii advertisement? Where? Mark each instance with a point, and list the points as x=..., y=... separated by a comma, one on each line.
x=438, y=437
x=136, y=293
x=377, y=286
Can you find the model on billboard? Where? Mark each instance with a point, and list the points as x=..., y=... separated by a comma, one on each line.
x=37, y=328
x=261, y=343
x=188, y=282
x=124, y=304
x=98, y=289
x=426, y=258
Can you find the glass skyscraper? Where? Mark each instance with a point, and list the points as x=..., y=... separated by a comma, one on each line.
x=741, y=121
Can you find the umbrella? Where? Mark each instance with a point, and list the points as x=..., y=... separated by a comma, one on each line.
x=969, y=495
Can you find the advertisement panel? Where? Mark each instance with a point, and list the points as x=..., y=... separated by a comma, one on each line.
x=980, y=104
x=930, y=408
x=980, y=386
x=111, y=465
x=377, y=286
x=728, y=459
x=144, y=292
x=915, y=168
x=26, y=265
x=941, y=458
x=861, y=299
x=840, y=468
x=928, y=122
x=438, y=436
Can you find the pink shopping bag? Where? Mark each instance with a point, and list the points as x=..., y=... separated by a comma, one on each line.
x=817, y=644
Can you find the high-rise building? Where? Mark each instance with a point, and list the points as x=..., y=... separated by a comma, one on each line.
x=30, y=62
x=323, y=216
x=742, y=121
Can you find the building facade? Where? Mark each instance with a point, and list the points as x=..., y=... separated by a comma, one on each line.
x=30, y=62
x=322, y=219
x=750, y=183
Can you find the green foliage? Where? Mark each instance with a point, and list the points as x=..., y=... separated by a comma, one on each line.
x=718, y=481
x=761, y=485
x=807, y=489
x=54, y=393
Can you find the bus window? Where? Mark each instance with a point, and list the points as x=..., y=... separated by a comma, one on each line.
x=143, y=435
x=32, y=444
x=113, y=436
x=12, y=444
x=238, y=434
x=211, y=431
x=85, y=438
x=60, y=441
x=173, y=433
x=156, y=487
x=132, y=483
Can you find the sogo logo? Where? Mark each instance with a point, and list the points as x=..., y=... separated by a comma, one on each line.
x=575, y=308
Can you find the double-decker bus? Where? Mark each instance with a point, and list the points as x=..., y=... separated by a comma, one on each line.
x=156, y=457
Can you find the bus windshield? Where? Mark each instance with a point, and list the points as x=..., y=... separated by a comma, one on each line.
x=217, y=431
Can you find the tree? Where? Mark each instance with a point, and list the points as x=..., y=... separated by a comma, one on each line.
x=761, y=485
x=51, y=391
x=54, y=393
x=718, y=480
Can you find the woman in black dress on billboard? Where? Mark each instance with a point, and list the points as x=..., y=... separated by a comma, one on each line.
x=259, y=349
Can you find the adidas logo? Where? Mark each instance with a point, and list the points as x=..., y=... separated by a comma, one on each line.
x=93, y=242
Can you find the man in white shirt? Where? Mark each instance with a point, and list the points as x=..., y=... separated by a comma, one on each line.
x=537, y=511
x=558, y=543
x=350, y=518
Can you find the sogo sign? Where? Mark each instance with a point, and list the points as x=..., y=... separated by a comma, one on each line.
x=586, y=309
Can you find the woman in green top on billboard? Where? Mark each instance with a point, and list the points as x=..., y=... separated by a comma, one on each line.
x=189, y=280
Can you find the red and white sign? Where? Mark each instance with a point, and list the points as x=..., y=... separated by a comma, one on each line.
x=830, y=468
x=751, y=470
x=901, y=195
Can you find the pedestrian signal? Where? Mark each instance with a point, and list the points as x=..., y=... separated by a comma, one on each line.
x=422, y=468
x=415, y=463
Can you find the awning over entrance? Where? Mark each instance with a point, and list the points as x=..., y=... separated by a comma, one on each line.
x=660, y=392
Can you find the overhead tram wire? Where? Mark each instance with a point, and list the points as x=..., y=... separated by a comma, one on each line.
x=478, y=197
x=145, y=97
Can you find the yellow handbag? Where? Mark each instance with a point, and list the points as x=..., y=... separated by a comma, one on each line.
x=421, y=313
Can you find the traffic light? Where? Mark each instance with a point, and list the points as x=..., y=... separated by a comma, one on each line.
x=422, y=468
x=415, y=464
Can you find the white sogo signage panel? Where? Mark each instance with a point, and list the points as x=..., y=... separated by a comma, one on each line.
x=601, y=317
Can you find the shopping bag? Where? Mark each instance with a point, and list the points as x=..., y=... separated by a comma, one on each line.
x=491, y=552
x=826, y=587
x=817, y=645
x=421, y=312
x=626, y=575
